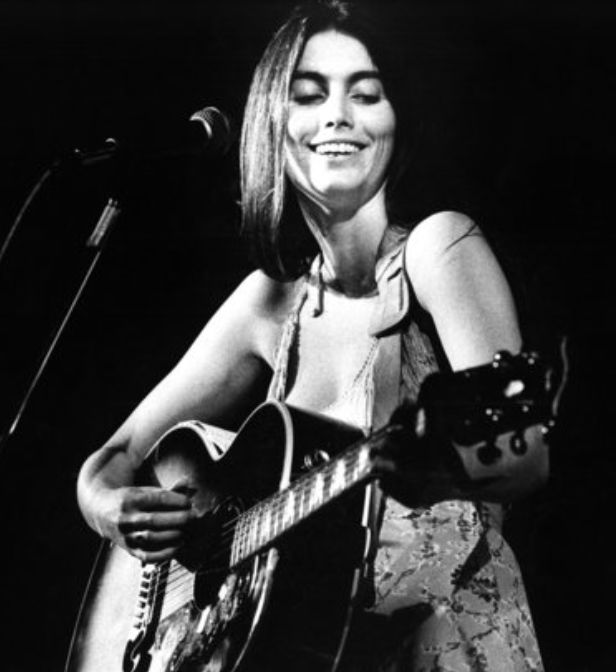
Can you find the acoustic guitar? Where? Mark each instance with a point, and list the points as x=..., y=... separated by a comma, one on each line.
x=281, y=555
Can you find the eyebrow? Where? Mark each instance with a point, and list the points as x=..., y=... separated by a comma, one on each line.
x=319, y=77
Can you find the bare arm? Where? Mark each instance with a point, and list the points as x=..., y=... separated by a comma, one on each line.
x=211, y=382
x=458, y=280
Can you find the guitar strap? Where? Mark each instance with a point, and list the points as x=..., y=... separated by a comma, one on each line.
x=387, y=323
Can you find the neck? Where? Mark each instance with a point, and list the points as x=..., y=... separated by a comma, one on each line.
x=350, y=244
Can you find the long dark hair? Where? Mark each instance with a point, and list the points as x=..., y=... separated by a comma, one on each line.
x=279, y=241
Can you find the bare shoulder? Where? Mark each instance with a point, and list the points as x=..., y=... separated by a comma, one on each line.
x=258, y=309
x=459, y=281
x=437, y=234
x=264, y=297
x=448, y=243
x=217, y=378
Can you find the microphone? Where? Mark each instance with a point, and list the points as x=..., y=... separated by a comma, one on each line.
x=210, y=134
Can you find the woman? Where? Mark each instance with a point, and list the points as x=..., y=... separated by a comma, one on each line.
x=349, y=336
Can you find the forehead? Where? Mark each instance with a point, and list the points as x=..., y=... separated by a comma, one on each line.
x=333, y=53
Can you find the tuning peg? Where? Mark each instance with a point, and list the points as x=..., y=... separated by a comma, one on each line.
x=518, y=444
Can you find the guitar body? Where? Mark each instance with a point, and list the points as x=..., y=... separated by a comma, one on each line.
x=287, y=606
x=274, y=572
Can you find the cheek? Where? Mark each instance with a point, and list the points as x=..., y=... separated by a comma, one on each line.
x=385, y=133
x=300, y=126
x=296, y=164
x=385, y=125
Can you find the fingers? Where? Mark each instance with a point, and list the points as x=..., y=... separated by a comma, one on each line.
x=157, y=499
x=383, y=465
x=152, y=521
x=154, y=556
x=154, y=509
x=152, y=544
x=149, y=540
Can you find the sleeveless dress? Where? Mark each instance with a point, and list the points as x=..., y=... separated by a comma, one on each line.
x=447, y=591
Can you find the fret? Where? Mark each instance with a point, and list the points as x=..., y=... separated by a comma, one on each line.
x=264, y=522
x=245, y=534
x=362, y=463
x=276, y=511
x=236, y=545
x=288, y=516
x=304, y=492
x=338, y=481
x=253, y=536
x=316, y=494
x=275, y=517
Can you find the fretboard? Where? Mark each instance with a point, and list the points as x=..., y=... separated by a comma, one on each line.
x=260, y=526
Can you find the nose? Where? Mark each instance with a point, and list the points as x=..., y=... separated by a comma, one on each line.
x=337, y=111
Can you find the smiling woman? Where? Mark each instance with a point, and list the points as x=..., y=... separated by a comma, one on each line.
x=347, y=315
x=280, y=91
x=341, y=125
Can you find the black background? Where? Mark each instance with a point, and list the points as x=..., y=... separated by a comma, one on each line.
x=528, y=115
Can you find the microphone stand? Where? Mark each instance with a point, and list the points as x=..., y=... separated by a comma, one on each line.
x=216, y=126
x=96, y=241
x=24, y=208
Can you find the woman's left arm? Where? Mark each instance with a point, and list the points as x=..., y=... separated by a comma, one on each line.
x=459, y=282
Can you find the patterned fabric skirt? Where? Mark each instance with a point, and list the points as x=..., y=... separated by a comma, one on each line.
x=449, y=596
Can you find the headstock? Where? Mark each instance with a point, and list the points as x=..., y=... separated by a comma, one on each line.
x=509, y=394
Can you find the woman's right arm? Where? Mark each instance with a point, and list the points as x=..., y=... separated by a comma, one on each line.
x=212, y=382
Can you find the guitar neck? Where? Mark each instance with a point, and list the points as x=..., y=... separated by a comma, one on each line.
x=263, y=524
x=510, y=393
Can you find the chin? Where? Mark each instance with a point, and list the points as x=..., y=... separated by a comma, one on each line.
x=336, y=191
x=348, y=194
x=339, y=185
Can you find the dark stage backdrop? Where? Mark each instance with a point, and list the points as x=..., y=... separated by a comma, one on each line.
x=517, y=108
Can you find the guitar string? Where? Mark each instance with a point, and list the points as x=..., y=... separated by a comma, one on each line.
x=250, y=537
x=279, y=502
x=179, y=576
x=185, y=577
x=277, y=505
x=301, y=492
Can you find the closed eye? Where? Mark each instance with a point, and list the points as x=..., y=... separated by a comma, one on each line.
x=313, y=98
x=367, y=98
x=307, y=99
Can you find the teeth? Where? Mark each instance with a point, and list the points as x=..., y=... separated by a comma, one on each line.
x=336, y=148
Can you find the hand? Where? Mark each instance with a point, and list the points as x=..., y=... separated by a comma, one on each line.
x=414, y=480
x=150, y=523
x=421, y=470
x=415, y=467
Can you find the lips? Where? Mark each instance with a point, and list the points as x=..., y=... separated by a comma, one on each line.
x=337, y=148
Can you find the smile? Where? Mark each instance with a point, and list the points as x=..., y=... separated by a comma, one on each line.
x=337, y=148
